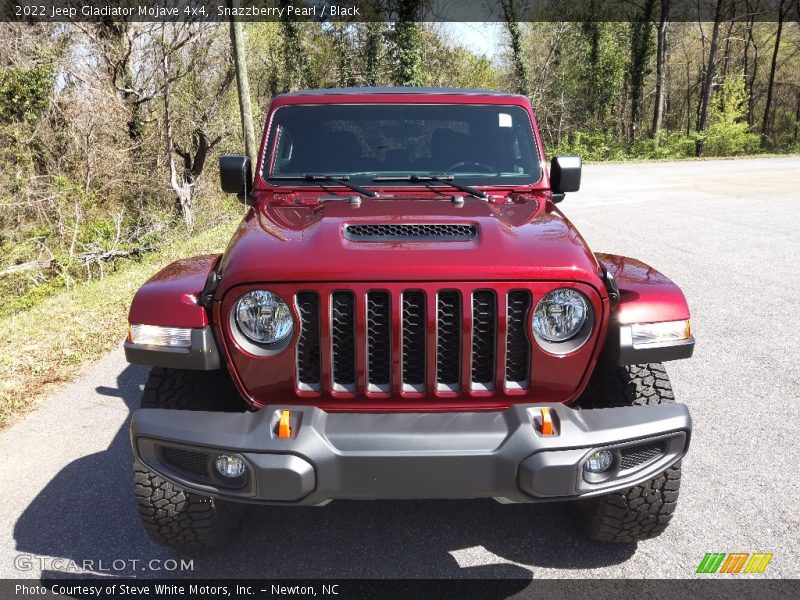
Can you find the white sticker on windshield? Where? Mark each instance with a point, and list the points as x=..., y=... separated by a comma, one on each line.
x=504, y=120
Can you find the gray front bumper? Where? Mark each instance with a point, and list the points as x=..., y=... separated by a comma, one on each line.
x=333, y=455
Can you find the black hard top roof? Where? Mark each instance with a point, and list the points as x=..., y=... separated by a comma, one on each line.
x=398, y=90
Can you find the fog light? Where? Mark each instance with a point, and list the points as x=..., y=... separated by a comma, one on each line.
x=599, y=462
x=229, y=466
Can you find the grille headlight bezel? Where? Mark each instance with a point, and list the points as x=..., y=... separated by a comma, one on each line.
x=262, y=322
x=578, y=327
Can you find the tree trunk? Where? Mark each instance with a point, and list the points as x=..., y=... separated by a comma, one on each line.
x=520, y=68
x=408, y=44
x=796, y=118
x=243, y=87
x=372, y=53
x=343, y=55
x=640, y=55
x=771, y=82
x=708, y=79
x=661, y=70
x=183, y=203
x=296, y=67
x=750, y=78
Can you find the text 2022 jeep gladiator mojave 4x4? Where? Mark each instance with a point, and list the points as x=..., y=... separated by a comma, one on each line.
x=404, y=313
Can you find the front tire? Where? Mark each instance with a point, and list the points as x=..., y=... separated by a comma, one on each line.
x=643, y=511
x=171, y=515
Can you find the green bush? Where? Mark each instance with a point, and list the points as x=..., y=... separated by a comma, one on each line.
x=591, y=146
x=666, y=145
x=728, y=133
x=25, y=92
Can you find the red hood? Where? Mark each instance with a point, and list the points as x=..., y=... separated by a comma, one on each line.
x=295, y=237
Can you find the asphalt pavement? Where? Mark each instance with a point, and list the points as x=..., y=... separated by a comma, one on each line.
x=726, y=231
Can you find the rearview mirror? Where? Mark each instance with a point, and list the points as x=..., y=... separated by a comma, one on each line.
x=234, y=174
x=565, y=175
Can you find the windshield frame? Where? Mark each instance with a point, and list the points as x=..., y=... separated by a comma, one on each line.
x=269, y=157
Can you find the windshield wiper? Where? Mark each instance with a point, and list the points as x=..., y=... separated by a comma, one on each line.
x=344, y=180
x=446, y=179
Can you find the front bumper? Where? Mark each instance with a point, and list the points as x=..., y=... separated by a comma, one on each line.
x=329, y=455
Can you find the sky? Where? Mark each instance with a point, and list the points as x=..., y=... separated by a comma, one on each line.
x=481, y=38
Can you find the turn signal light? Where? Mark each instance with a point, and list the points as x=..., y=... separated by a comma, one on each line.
x=547, y=422
x=284, y=428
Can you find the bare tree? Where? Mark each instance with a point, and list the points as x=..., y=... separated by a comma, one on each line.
x=521, y=77
x=783, y=11
x=708, y=76
x=641, y=48
x=243, y=87
x=661, y=69
x=192, y=155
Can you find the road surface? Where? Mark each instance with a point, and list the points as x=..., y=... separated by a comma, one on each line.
x=726, y=231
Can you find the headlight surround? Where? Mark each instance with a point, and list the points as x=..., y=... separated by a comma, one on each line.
x=263, y=317
x=560, y=315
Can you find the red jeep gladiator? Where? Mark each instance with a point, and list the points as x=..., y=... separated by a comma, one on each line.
x=405, y=313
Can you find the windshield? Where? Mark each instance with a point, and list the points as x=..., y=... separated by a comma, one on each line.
x=477, y=144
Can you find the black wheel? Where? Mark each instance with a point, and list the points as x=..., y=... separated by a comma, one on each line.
x=171, y=515
x=644, y=511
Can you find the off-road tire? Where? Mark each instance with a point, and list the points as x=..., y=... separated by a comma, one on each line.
x=179, y=389
x=171, y=515
x=644, y=511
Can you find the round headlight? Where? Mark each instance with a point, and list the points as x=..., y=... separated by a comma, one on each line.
x=263, y=317
x=560, y=315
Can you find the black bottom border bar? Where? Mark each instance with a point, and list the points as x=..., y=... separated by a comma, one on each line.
x=82, y=587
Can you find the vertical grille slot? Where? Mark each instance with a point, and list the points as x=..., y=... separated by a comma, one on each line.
x=379, y=352
x=413, y=329
x=448, y=340
x=343, y=346
x=484, y=326
x=308, y=356
x=518, y=349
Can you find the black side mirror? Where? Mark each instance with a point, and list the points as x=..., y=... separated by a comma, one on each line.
x=565, y=176
x=234, y=174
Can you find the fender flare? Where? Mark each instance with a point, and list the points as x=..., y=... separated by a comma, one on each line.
x=644, y=296
x=174, y=297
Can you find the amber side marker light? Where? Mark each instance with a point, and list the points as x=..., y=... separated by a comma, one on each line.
x=547, y=423
x=284, y=429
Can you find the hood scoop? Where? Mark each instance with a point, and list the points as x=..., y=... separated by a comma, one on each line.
x=411, y=232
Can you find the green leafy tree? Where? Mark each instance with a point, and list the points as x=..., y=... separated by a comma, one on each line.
x=407, y=44
x=728, y=133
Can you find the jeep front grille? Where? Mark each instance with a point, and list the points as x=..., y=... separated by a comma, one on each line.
x=343, y=341
x=411, y=232
x=413, y=341
x=483, y=339
x=379, y=335
x=448, y=340
x=308, y=344
x=517, y=349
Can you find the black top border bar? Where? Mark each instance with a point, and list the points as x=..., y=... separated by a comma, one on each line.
x=362, y=11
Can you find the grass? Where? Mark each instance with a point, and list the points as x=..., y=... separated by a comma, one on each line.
x=50, y=343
